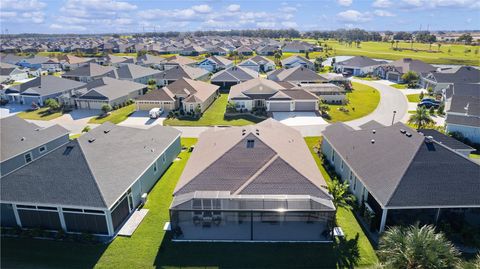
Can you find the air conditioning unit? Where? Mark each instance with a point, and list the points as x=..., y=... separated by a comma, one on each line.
x=144, y=198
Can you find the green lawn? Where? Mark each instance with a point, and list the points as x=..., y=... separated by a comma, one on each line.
x=345, y=217
x=74, y=136
x=150, y=247
x=413, y=98
x=474, y=156
x=383, y=50
x=115, y=116
x=39, y=114
x=367, y=78
x=399, y=86
x=362, y=101
x=214, y=115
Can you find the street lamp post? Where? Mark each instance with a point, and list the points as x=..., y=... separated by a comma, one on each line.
x=393, y=118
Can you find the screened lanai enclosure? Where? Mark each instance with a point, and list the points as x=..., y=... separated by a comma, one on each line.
x=220, y=216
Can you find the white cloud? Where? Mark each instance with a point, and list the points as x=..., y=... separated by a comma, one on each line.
x=21, y=5
x=353, y=16
x=287, y=9
x=290, y=24
x=344, y=3
x=8, y=14
x=34, y=16
x=66, y=27
x=266, y=24
x=202, y=8
x=383, y=13
x=431, y=4
x=102, y=5
x=233, y=8
x=382, y=3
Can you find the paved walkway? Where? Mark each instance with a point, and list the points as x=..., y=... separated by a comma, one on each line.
x=133, y=222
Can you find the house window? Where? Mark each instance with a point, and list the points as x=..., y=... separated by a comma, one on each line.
x=341, y=165
x=350, y=178
x=250, y=143
x=164, y=158
x=28, y=157
x=155, y=167
x=42, y=149
x=354, y=183
x=333, y=156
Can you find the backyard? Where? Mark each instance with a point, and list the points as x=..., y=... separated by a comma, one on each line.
x=115, y=116
x=214, y=115
x=362, y=101
x=151, y=247
x=40, y=114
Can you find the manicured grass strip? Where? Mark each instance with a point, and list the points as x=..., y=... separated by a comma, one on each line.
x=474, y=156
x=366, y=78
x=115, y=116
x=345, y=217
x=413, y=98
x=74, y=136
x=39, y=114
x=399, y=86
x=214, y=115
x=362, y=101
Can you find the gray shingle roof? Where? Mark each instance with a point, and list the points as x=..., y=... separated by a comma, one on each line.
x=47, y=85
x=274, y=165
x=406, y=171
x=463, y=74
x=91, y=70
x=234, y=73
x=298, y=73
x=13, y=129
x=94, y=173
x=445, y=140
x=133, y=71
x=110, y=88
x=360, y=61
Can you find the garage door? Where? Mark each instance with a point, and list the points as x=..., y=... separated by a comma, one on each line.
x=305, y=106
x=277, y=106
x=393, y=77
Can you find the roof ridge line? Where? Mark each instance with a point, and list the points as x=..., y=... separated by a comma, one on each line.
x=93, y=176
x=256, y=174
x=404, y=172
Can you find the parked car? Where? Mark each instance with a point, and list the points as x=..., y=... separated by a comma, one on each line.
x=428, y=104
x=430, y=100
x=155, y=112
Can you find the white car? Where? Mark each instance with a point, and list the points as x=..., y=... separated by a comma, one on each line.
x=155, y=112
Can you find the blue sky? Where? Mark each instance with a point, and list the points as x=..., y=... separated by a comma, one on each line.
x=101, y=16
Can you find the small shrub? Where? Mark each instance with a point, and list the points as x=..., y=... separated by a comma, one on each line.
x=86, y=129
x=432, y=111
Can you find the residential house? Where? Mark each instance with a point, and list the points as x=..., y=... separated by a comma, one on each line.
x=10, y=72
x=215, y=63
x=297, y=47
x=258, y=64
x=137, y=73
x=232, y=76
x=298, y=74
x=36, y=62
x=39, y=89
x=327, y=92
x=394, y=71
x=24, y=142
x=448, y=141
x=181, y=71
x=462, y=106
x=71, y=62
x=91, y=184
x=357, y=66
x=110, y=91
x=12, y=58
x=148, y=60
x=216, y=50
x=251, y=184
x=116, y=61
x=439, y=81
x=268, y=50
x=175, y=61
x=192, y=50
x=261, y=93
x=244, y=50
x=90, y=72
x=400, y=176
x=297, y=60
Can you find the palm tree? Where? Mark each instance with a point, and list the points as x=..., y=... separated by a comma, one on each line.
x=277, y=56
x=234, y=54
x=421, y=118
x=341, y=196
x=397, y=41
x=416, y=247
x=393, y=42
x=439, y=45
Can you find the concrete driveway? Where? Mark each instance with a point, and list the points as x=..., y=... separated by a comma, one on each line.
x=307, y=123
x=141, y=119
x=74, y=121
x=12, y=109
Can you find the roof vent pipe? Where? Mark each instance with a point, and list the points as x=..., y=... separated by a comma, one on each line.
x=429, y=139
x=373, y=131
x=373, y=141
